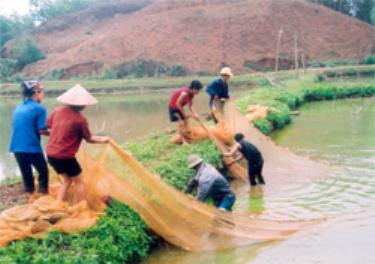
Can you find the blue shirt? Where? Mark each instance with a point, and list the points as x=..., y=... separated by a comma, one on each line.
x=28, y=119
x=219, y=88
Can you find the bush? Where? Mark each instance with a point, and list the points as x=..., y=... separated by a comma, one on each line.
x=176, y=70
x=263, y=125
x=369, y=60
x=280, y=118
x=250, y=64
x=7, y=68
x=55, y=74
x=108, y=74
x=26, y=53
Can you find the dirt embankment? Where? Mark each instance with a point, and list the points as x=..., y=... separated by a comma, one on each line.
x=201, y=35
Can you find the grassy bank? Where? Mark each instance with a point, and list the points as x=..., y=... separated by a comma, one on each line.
x=53, y=88
x=289, y=95
x=120, y=236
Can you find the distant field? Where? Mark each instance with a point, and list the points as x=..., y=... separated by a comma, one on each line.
x=154, y=84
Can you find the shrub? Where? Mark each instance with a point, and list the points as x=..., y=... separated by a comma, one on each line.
x=250, y=64
x=263, y=125
x=280, y=118
x=55, y=74
x=26, y=53
x=108, y=74
x=369, y=60
x=7, y=68
x=176, y=70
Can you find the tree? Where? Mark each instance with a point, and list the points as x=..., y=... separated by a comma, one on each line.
x=363, y=9
x=43, y=10
x=7, y=30
x=26, y=53
x=7, y=68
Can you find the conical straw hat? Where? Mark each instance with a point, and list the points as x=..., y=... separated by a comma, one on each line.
x=77, y=96
x=194, y=160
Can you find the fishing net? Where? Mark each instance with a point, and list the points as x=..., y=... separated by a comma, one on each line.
x=178, y=218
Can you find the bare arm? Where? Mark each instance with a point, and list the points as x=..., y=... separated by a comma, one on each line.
x=237, y=159
x=98, y=140
x=233, y=150
x=192, y=110
x=179, y=103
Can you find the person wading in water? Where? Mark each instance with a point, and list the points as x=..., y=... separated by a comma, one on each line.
x=252, y=155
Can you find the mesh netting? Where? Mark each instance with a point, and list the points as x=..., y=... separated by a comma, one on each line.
x=178, y=218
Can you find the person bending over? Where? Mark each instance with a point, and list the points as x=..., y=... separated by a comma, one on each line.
x=180, y=98
x=210, y=183
x=252, y=155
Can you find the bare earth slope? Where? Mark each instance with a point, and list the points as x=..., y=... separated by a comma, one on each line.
x=201, y=35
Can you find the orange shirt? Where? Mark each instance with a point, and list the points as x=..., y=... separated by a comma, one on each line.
x=67, y=129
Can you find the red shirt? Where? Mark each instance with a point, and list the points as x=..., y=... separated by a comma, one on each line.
x=176, y=94
x=67, y=129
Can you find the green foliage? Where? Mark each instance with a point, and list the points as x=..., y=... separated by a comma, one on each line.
x=170, y=161
x=26, y=53
x=108, y=74
x=280, y=118
x=43, y=10
x=250, y=64
x=361, y=9
x=369, y=60
x=119, y=237
x=293, y=93
x=54, y=75
x=319, y=64
x=173, y=168
x=7, y=68
x=350, y=72
x=176, y=70
x=151, y=148
x=263, y=125
x=7, y=30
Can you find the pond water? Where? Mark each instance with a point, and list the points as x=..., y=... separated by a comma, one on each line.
x=338, y=132
x=123, y=117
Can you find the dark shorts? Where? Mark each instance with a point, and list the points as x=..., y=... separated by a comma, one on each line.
x=69, y=167
x=175, y=114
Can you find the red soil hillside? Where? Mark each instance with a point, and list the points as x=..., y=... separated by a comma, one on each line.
x=201, y=35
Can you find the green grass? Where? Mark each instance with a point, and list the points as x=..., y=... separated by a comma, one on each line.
x=295, y=92
x=10, y=180
x=170, y=160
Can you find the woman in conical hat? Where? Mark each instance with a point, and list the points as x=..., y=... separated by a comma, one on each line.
x=68, y=127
